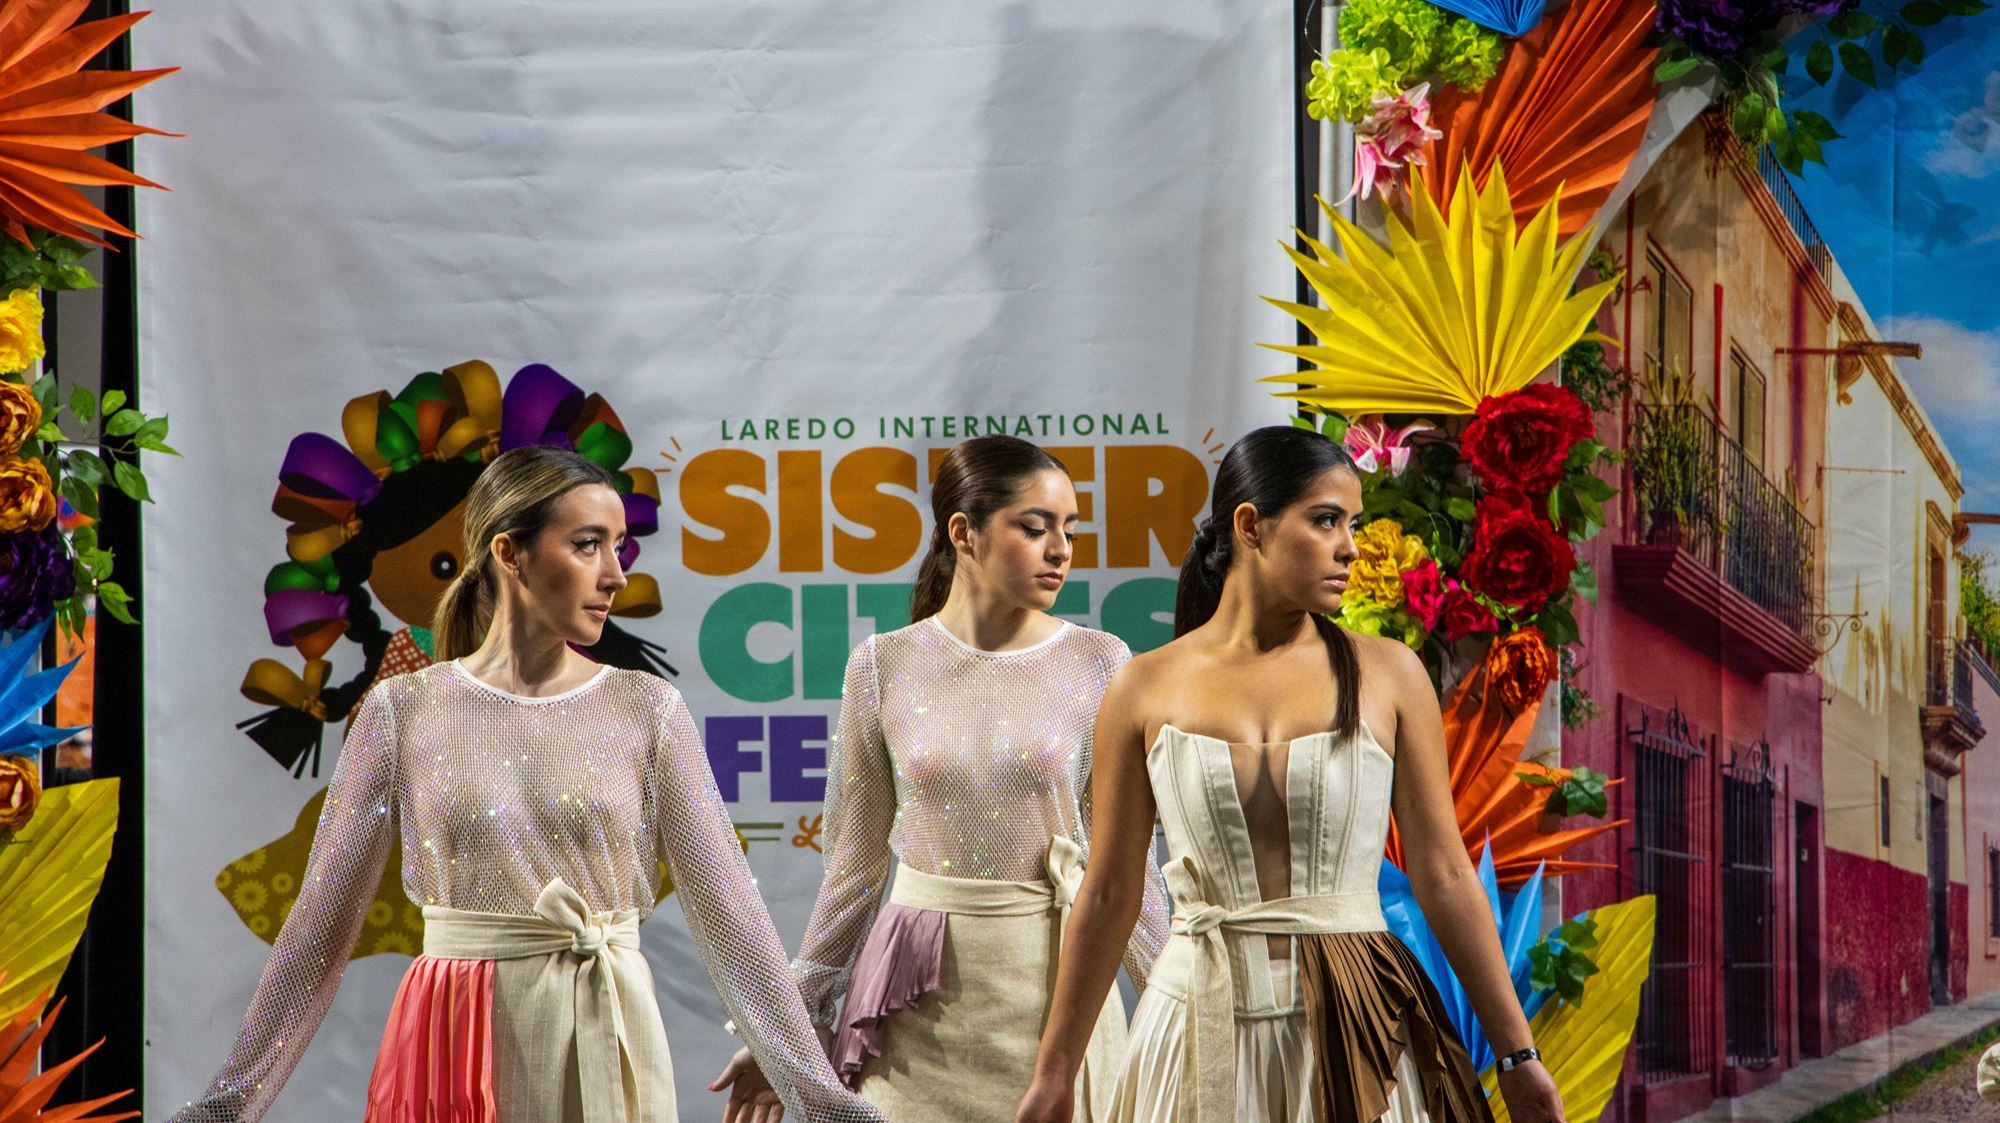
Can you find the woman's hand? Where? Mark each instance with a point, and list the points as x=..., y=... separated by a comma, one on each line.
x=751, y=1099
x=1531, y=1094
x=1047, y=1101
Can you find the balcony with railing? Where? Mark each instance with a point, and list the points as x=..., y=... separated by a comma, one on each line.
x=1713, y=548
x=1950, y=720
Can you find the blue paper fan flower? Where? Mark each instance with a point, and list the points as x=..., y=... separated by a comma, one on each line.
x=1519, y=925
x=22, y=696
x=1508, y=17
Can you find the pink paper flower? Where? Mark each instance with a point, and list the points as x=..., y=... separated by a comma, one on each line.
x=1392, y=137
x=1424, y=594
x=1370, y=441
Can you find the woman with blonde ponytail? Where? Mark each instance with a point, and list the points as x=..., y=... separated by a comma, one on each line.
x=963, y=750
x=537, y=796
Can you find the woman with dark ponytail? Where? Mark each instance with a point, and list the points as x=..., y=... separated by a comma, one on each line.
x=1273, y=746
x=964, y=751
x=538, y=795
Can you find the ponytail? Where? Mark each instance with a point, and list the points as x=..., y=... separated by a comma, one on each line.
x=933, y=576
x=462, y=614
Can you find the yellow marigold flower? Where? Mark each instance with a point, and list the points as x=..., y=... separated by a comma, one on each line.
x=20, y=331
x=27, y=497
x=1376, y=580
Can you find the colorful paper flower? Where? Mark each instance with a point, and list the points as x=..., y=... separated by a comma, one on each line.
x=1517, y=557
x=35, y=573
x=20, y=416
x=20, y=791
x=49, y=114
x=20, y=327
x=1463, y=615
x=27, y=498
x=1424, y=591
x=26, y=1087
x=1384, y=553
x=1369, y=440
x=1392, y=137
x=1452, y=311
x=1519, y=441
x=1519, y=667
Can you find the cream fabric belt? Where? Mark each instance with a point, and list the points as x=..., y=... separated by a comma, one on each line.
x=1208, y=1071
x=601, y=984
x=970, y=896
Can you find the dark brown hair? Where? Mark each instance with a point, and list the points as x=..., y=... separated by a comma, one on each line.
x=1268, y=469
x=976, y=478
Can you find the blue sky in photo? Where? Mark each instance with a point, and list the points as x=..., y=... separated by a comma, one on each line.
x=1909, y=201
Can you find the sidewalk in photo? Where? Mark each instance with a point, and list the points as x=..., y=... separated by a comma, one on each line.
x=1859, y=1067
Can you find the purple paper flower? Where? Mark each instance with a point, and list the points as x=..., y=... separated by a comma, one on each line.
x=1725, y=28
x=35, y=573
x=1717, y=28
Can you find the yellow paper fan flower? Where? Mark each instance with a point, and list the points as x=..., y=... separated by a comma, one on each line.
x=1584, y=1045
x=1454, y=310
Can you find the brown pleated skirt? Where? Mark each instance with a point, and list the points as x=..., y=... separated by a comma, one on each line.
x=1367, y=1039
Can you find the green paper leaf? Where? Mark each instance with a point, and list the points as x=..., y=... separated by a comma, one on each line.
x=85, y=466
x=80, y=495
x=1965, y=7
x=1819, y=62
x=1854, y=25
x=1923, y=13
x=1748, y=120
x=1807, y=123
x=151, y=445
x=1858, y=62
x=154, y=428
x=49, y=431
x=83, y=538
x=1672, y=69
x=116, y=601
x=83, y=403
x=1895, y=46
x=112, y=400
x=124, y=423
x=1460, y=509
x=131, y=481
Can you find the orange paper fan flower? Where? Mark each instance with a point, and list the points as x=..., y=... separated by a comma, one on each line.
x=25, y=1092
x=49, y=114
x=1484, y=738
x=1567, y=110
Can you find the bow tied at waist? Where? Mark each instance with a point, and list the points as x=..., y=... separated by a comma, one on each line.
x=1208, y=1070
x=601, y=959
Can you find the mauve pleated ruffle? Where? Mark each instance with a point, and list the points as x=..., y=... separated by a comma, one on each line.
x=436, y=1060
x=902, y=961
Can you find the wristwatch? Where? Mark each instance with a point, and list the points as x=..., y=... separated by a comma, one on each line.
x=1519, y=1057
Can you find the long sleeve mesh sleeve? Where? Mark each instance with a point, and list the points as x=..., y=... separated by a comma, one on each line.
x=352, y=843
x=859, y=814
x=732, y=929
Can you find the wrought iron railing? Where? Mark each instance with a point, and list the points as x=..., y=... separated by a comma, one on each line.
x=1780, y=186
x=1695, y=489
x=1950, y=680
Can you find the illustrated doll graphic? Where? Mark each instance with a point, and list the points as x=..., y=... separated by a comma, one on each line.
x=374, y=537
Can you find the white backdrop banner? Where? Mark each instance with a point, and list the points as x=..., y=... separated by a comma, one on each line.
x=798, y=249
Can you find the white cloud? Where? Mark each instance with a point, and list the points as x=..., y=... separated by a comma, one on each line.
x=1959, y=376
x=1970, y=148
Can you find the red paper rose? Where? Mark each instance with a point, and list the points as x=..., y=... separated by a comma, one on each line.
x=1519, y=441
x=1517, y=558
x=1463, y=615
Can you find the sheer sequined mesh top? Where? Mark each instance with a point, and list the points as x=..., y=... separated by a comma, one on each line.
x=961, y=763
x=494, y=796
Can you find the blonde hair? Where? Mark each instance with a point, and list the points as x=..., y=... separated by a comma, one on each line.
x=516, y=495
